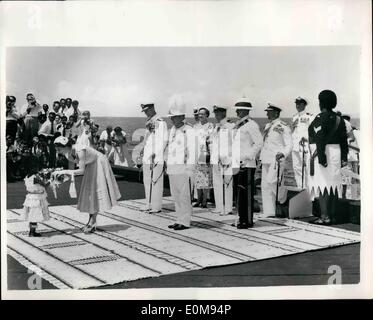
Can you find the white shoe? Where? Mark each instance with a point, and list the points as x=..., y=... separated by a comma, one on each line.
x=266, y=216
x=215, y=211
x=225, y=214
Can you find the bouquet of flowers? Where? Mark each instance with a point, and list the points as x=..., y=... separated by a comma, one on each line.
x=54, y=180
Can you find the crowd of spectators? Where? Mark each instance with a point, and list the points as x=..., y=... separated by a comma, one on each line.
x=32, y=128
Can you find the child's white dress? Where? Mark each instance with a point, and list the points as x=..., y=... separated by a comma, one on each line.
x=35, y=207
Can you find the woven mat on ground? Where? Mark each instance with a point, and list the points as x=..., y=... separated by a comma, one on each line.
x=131, y=244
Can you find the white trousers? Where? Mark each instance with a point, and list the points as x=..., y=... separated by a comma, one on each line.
x=217, y=179
x=194, y=189
x=107, y=149
x=180, y=192
x=269, y=181
x=297, y=167
x=157, y=186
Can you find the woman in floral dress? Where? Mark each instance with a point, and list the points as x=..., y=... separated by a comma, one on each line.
x=203, y=173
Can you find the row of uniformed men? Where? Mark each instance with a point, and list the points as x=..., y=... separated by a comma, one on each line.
x=234, y=148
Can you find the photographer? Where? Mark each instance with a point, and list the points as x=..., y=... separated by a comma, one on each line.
x=106, y=140
x=30, y=112
x=48, y=129
x=119, y=151
x=12, y=117
x=40, y=151
x=71, y=131
x=85, y=125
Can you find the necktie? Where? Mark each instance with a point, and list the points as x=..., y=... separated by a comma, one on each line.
x=52, y=129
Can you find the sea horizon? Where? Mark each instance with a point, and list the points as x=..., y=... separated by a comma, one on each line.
x=130, y=124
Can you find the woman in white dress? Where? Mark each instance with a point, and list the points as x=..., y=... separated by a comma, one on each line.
x=99, y=190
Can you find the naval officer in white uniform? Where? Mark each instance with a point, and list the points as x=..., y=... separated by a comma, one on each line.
x=180, y=158
x=299, y=126
x=277, y=146
x=247, y=142
x=221, y=160
x=153, y=158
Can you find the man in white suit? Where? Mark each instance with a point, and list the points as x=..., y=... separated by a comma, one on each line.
x=221, y=160
x=180, y=164
x=153, y=158
x=277, y=146
x=300, y=123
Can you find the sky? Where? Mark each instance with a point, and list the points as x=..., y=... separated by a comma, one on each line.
x=115, y=81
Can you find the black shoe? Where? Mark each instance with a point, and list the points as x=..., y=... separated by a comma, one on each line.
x=196, y=205
x=171, y=226
x=154, y=211
x=244, y=225
x=204, y=206
x=180, y=227
x=327, y=222
x=34, y=234
x=322, y=222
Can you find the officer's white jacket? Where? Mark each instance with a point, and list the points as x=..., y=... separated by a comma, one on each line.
x=303, y=120
x=155, y=140
x=180, y=152
x=247, y=142
x=221, y=142
x=277, y=138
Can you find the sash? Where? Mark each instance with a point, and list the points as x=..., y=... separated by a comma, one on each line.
x=314, y=155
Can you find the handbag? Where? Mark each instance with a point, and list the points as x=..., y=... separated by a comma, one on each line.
x=314, y=155
x=72, y=189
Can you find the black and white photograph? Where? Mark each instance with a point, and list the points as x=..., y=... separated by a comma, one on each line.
x=183, y=165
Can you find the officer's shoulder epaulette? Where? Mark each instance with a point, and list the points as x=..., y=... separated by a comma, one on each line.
x=160, y=119
x=283, y=123
x=295, y=114
x=188, y=124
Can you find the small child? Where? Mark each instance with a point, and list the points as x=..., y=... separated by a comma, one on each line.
x=35, y=205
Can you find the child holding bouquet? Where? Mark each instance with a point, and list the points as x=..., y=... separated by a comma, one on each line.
x=35, y=205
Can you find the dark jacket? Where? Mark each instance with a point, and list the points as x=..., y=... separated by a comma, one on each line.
x=318, y=133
